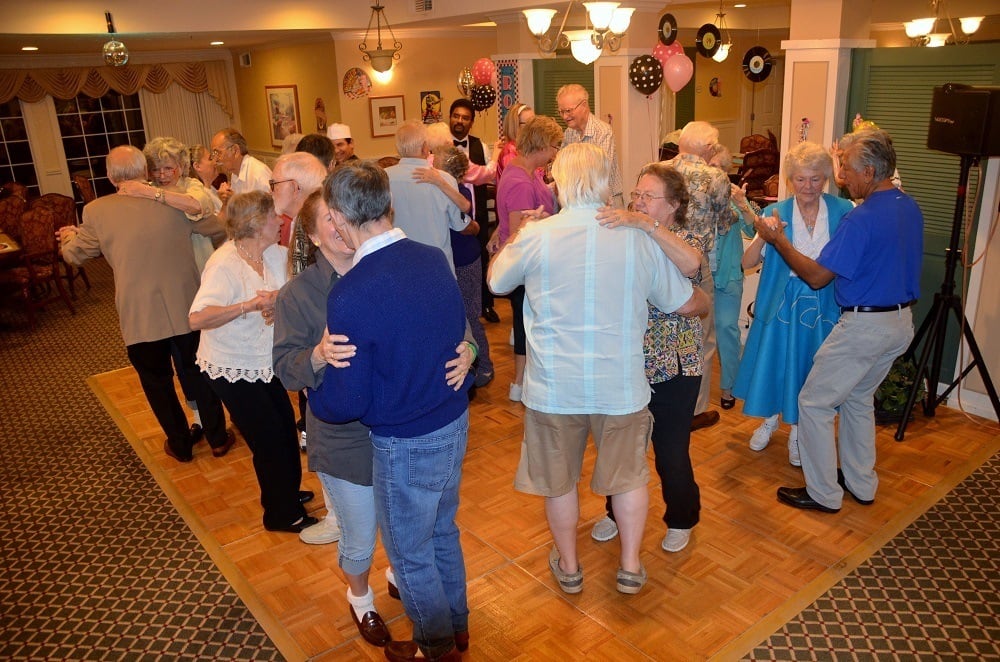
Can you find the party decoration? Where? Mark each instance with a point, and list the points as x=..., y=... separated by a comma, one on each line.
x=757, y=64
x=356, y=84
x=483, y=71
x=663, y=53
x=708, y=40
x=483, y=96
x=678, y=72
x=646, y=74
x=667, y=32
x=465, y=82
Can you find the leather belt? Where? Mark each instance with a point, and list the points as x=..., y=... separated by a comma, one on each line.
x=876, y=309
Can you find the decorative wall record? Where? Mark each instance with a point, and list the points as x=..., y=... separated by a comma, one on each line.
x=668, y=29
x=757, y=64
x=708, y=40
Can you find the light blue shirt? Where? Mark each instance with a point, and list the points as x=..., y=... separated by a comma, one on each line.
x=585, y=311
x=422, y=210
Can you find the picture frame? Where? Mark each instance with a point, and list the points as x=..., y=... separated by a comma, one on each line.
x=387, y=114
x=283, y=114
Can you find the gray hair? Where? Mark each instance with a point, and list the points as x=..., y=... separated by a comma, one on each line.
x=307, y=171
x=582, y=172
x=410, y=138
x=291, y=143
x=247, y=213
x=808, y=156
x=870, y=147
x=235, y=137
x=721, y=157
x=359, y=192
x=574, y=89
x=697, y=136
x=164, y=148
x=438, y=135
x=125, y=163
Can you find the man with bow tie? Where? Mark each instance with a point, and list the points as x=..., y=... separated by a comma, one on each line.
x=461, y=116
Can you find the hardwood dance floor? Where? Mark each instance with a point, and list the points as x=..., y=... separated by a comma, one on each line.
x=752, y=563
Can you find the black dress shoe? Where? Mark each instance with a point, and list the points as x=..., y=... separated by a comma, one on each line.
x=219, y=451
x=840, y=481
x=462, y=640
x=704, y=420
x=727, y=403
x=197, y=432
x=305, y=496
x=798, y=497
x=371, y=627
x=179, y=456
x=296, y=526
x=490, y=315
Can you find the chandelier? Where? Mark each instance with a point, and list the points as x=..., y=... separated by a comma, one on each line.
x=115, y=53
x=921, y=31
x=727, y=39
x=608, y=24
x=380, y=58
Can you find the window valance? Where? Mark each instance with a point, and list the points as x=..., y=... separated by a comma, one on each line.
x=65, y=83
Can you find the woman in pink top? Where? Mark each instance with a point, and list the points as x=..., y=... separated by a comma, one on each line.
x=519, y=115
x=522, y=189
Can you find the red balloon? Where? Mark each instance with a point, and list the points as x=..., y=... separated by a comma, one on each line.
x=663, y=53
x=678, y=72
x=674, y=49
x=483, y=71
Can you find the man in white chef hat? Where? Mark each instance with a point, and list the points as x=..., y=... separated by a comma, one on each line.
x=343, y=144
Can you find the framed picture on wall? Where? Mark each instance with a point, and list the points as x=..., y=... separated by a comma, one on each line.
x=283, y=112
x=386, y=115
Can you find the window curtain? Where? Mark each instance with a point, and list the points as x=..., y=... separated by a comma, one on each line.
x=191, y=117
x=32, y=85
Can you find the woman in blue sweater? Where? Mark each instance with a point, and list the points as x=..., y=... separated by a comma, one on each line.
x=401, y=307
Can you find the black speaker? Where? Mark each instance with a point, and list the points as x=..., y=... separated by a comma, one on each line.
x=965, y=120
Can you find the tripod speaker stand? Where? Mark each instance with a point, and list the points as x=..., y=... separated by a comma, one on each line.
x=936, y=324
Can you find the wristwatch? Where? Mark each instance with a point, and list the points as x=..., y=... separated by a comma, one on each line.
x=158, y=196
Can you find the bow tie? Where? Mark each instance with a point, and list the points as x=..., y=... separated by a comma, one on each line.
x=461, y=143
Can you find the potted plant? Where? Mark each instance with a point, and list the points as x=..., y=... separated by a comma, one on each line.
x=891, y=395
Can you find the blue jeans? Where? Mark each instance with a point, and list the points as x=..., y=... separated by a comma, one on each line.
x=727, y=330
x=416, y=498
x=354, y=506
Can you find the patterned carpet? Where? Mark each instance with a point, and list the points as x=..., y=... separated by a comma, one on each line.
x=95, y=561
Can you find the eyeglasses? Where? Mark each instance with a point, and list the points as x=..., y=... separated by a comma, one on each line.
x=165, y=169
x=645, y=196
x=569, y=111
x=273, y=183
x=556, y=147
x=215, y=153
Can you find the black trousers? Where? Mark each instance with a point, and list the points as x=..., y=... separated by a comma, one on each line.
x=151, y=361
x=263, y=414
x=672, y=405
x=484, y=258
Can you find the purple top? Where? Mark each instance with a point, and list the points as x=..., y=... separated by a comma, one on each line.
x=519, y=191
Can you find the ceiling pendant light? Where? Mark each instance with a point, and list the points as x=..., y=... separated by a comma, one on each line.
x=608, y=23
x=380, y=58
x=115, y=52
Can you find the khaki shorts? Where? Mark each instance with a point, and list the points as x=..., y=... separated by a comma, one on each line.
x=554, y=444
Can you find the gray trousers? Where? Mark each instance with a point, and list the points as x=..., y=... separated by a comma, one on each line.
x=846, y=371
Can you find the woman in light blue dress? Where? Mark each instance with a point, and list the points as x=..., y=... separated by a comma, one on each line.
x=791, y=320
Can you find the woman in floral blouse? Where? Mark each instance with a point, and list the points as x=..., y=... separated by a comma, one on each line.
x=673, y=350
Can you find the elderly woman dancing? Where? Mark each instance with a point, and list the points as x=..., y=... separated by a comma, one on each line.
x=791, y=320
x=235, y=310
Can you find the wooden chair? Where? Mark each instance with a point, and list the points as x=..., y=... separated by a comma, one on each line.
x=84, y=187
x=754, y=142
x=63, y=209
x=35, y=279
x=758, y=166
x=11, y=209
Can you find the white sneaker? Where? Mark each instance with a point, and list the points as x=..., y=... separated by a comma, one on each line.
x=761, y=437
x=604, y=530
x=676, y=540
x=793, y=448
x=323, y=533
x=516, y=390
x=302, y=440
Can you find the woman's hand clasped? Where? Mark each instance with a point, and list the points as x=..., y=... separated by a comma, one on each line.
x=334, y=350
x=613, y=217
x=459, y=367
x=769, y=228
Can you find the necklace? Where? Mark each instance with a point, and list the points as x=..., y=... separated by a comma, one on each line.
x=245, y=254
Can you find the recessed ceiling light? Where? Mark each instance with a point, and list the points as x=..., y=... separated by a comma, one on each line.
x=29, y=48
x=740, y=5
x=217, y=43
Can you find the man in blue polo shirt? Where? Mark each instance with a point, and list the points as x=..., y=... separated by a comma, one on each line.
x=874, y=260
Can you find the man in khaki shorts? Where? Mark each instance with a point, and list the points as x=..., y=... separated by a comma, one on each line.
x=585, y=315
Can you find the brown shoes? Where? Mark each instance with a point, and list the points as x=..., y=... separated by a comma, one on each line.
x=372, y=627
x=219, y=451
x=704, y=420
x=407, y=651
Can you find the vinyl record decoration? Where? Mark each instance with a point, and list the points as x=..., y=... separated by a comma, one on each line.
x=708, y=40
x=483, y=96
x=645, y=74
x=757, y=64
x=668, y=29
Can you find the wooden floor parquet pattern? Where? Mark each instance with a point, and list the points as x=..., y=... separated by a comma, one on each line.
x=752, y=563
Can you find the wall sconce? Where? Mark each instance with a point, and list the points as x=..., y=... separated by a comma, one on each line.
x=608, y=25
x=723, y=52
x=115, y=53
x=380, y=58
x=921, y=30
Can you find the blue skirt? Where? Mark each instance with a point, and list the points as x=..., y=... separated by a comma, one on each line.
x=779, y=352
